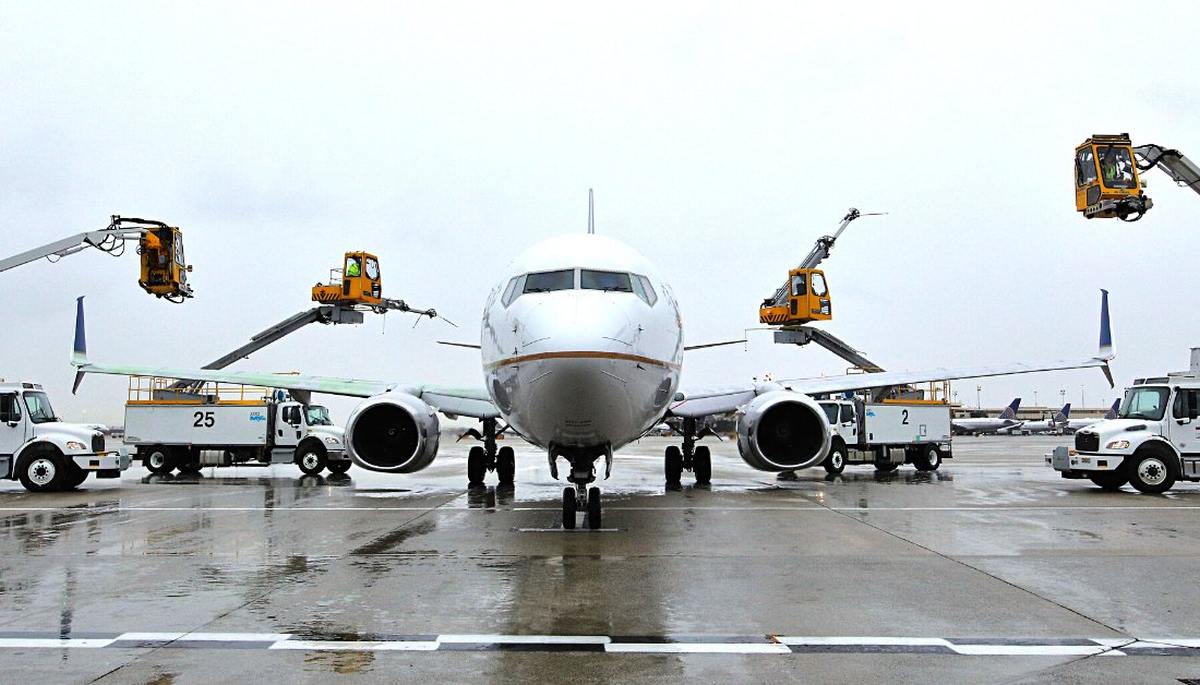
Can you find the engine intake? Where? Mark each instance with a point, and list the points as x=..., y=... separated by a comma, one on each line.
x=783, y=430
x=392, y=433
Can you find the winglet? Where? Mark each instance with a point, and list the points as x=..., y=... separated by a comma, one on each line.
x=1106, y=341
x=79, y=350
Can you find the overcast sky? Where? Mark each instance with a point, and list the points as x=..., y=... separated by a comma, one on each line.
x=721, y=139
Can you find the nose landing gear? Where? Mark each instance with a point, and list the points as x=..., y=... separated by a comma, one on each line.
x=697, y=459
x=579, y=497
x=481, y=459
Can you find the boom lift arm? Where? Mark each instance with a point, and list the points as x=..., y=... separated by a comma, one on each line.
x=164, y=272
x=1107, y=179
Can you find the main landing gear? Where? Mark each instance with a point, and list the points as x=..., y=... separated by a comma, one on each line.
x=697, y=459
x=481, y=459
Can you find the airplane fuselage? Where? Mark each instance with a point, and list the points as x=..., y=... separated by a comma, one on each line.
x=582, y=345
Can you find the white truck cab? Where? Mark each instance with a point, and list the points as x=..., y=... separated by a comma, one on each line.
x=1153, y=442
x=42, y=451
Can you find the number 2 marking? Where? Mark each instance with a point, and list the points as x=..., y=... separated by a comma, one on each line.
x=905, y=419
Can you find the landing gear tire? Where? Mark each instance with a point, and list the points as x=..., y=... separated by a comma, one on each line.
x=593, y=509
x=506, y=465
x=74, y=477
x=1110, y=481
x=43, y=472
x=1151, y=473
x=702, y=466
x=570, y=506
x=158, y=460
x=476, y=465
x=673, y=466
x=928, y=459
x=338, y=467
x=886, y=466
x=835, y=461
x=311, y=460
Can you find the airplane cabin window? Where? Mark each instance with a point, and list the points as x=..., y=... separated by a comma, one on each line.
x=611, y=281
x=548, y=281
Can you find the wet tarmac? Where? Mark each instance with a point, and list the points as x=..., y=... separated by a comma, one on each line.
x=991, y=570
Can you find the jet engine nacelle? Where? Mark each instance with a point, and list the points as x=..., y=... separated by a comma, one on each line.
x=394, y=433
x=783, y=430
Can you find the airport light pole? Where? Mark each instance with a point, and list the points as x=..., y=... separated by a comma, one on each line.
x=1062, y=395
x=978, y=404
x=1035, y=398
x=1082, y=398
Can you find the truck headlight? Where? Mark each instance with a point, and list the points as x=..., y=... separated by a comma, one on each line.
x=1118, y=445
x=73, y=445
x=331, y=441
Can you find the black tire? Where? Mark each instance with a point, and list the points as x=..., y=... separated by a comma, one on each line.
x=927, y=458
x=74, y=477
x=886, y=466
x=158, y=459
x=673, y=465
x=188, y=460
x=702, y=465
x=570, y=505
x=835, y=461
x=42, y=471
x=1151, y=471
x=593, y=509
x=476, y=465
x=339, y=467
x=506, y=465
x=1111, y=481
x=311, y=459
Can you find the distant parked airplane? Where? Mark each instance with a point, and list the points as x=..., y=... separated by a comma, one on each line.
x=1075, y=424
x=1057, y=423
x=1005, y=422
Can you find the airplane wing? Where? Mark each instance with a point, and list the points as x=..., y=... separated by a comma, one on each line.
x=703, y=403
x=470, y=402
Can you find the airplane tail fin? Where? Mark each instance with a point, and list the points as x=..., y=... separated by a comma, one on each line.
x=1112, y=411
x=79, y=349
x=1063, y=414
x=1010, y=412
x=1106, y=352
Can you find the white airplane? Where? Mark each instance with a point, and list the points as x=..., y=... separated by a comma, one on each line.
x=1076, y=424
x=1005, y=422
x=1058, y=422
x=582, y=350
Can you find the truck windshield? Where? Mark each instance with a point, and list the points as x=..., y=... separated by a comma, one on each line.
x=1144, y=403
x=39, y=407
x=831, y=412
x=317, y=415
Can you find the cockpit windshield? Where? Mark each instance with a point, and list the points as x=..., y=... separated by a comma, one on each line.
x=610, y=281
x=1144, y=403
x=1116, y=166
x=548, y=281
x=39, y=407
x=316, y=415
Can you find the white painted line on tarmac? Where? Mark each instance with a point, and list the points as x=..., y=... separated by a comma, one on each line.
x=52, y=643
x=856, y=641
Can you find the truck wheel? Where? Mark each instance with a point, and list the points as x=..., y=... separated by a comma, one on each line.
x=74, y=477
x=43, y=472
x=506, y=465
x=1109, y=480
x=311, y=460
x=928, y=458
x=188, y=460
x=835, y=461
x=158, y=460
x=1150, y=472
x=338, y=467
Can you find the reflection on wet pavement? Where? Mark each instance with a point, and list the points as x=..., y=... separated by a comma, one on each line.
x=992, y=544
